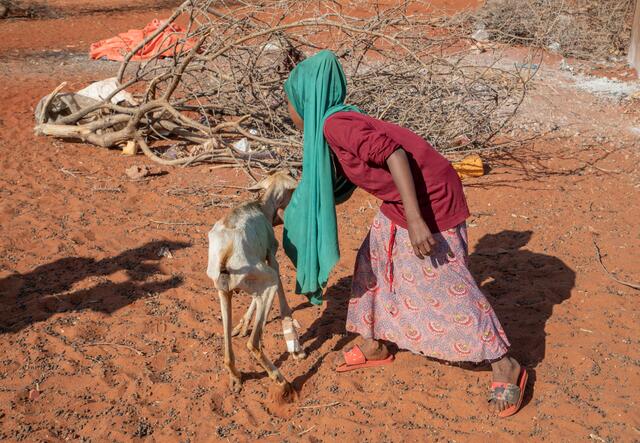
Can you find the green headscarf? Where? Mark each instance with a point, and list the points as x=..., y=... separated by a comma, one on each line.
x=316, y=88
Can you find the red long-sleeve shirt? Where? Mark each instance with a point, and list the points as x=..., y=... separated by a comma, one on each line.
x=362, y=145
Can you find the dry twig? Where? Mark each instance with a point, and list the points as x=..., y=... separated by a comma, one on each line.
x=177, y=223
x=306, y=431
x=115, y=345
x=335, y=403
x=610, y=274
x=588, y=29
x=400, y=66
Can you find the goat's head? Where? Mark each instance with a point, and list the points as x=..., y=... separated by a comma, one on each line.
x=278, y=186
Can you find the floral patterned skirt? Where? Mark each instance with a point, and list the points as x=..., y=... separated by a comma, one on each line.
x=432, y=306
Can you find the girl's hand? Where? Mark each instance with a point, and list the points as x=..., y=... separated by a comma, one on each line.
x=421, y=238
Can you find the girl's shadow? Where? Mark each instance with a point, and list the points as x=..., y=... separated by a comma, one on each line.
x=523, y=287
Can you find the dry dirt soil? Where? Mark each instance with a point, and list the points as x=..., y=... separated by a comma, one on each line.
x=102, y=339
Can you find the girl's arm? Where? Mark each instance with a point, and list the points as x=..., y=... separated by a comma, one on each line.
x=421, y=237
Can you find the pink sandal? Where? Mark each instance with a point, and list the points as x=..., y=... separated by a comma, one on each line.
x=355, y=359
x=512, y=394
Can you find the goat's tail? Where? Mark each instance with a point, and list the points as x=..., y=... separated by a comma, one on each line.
x=217, y=269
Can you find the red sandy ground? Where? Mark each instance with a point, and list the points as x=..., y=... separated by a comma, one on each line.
x=103, y=340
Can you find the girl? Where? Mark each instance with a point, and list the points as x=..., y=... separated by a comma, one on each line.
x=411, y=284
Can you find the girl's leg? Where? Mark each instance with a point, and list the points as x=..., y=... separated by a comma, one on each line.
x=363, y=275
x=372, y=350
x=506, y=370
x=424, y=306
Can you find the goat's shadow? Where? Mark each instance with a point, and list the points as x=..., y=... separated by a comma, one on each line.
x=35, y=296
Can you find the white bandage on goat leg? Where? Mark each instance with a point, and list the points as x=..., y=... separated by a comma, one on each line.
x=291, y=335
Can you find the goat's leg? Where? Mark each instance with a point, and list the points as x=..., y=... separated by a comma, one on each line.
x=242, y=328
x=263, y=304
x=289, y=327
x=235, y=381
x=289, y=324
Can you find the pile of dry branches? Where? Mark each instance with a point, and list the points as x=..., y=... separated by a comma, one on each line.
x=400, y=66
x=587, y=29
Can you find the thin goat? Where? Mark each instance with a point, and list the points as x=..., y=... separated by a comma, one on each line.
x=242, y=257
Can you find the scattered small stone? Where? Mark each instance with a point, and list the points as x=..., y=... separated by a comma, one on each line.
x=461, y=140
x=171, y=153
x=607, y=87
x=130, y=148
x=33, y=395
x=144, y=429
x=242, y=145
x=165, y=252
x=137, y=172
x=481, y=35
x=564, y=66
x=554, y=47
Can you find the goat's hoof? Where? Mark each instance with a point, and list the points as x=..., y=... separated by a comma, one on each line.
x=285, y=393
x=235, y=384
x=300, y=355
x=240, y=330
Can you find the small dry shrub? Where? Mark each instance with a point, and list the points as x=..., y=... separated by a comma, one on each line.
x=587, y=29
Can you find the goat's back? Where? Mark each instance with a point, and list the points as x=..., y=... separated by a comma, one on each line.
x=237, y=243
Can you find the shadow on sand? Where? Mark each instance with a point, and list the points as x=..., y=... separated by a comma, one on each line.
x=47, y=290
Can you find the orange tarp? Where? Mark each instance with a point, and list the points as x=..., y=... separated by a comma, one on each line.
x=116, y=48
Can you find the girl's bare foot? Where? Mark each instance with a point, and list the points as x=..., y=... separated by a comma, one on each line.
x=372, y=350
x=506, y=370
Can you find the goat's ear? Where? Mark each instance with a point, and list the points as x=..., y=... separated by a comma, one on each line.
x=285, y=198
x=259, y=186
